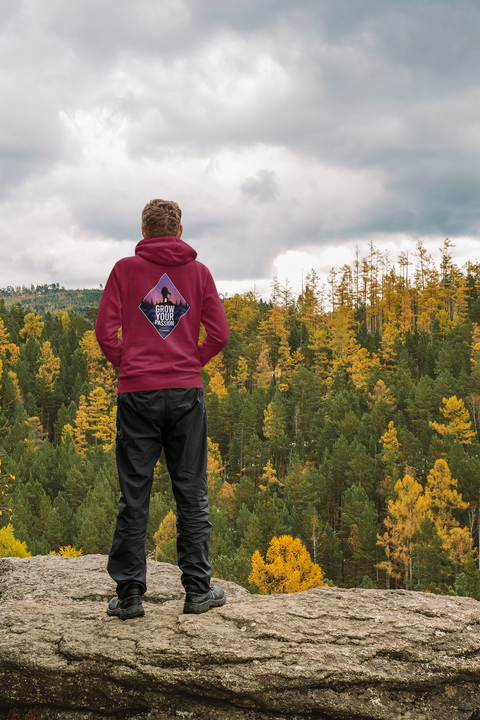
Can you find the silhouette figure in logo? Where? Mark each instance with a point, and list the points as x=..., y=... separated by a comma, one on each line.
x=165, y=292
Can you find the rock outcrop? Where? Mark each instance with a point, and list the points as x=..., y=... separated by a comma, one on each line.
x=324, y=653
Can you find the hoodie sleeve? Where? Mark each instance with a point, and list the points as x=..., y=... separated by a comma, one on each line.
x=214, y=322
x=109, y=320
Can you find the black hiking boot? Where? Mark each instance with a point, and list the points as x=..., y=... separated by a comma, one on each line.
x=130, y=607
x=215, y=597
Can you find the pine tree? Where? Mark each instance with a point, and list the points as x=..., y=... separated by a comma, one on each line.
x=360, y=521
x=330, y=556
x=432, y=571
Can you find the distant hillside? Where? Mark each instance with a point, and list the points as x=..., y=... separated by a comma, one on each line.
x=51, y=298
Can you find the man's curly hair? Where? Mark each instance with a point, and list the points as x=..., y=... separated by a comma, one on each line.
x=161, y=218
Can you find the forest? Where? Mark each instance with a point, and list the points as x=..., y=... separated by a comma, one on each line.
x=343, y=422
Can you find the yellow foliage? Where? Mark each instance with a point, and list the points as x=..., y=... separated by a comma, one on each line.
x=285, y=366
x=381, y=392
x=67, y=430
x=273, y=422
x=459, y=544
x=9, y=350
x=217, y=385
x=457, y=423
x=216, y=372
x=241, y=376
x=289, y=567
x=32, y=326
x=263, y=373
x=269, y=476
x=95, y=419
x=49, y=368
x=9, y=546
x=390, y=440
x=93, y=352
x=241, y=312
x=341, y=336
x=442, y=498
x=405, y=515
x=166, y=532
x=389, y=336
x=444, y=321
x=68, y=551
x=360, y=363
x=65, y=319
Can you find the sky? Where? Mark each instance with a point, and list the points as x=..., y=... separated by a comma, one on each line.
x=289, y=132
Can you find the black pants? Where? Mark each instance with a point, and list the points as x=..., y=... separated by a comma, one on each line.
x=146, y=421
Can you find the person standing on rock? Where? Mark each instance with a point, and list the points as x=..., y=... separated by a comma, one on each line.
x=160, y=401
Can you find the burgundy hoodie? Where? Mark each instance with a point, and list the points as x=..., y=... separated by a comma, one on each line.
x=159, y=297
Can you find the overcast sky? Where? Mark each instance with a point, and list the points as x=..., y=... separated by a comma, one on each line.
x=287, y=130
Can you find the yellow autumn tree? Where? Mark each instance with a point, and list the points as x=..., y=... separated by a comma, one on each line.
x=216, y=370
x=443, y=498
x=381, y=392
x=32, y=327
x=241, y=375
x=100, y=421
x=457, y=421
x=359, y=363
x=10, y=546
x=262, y=376
x=80, y=429
x=340, y=337
x=65, y=320
x=93, y=353
x=288, y=567
x=166, y=539
x=405, y=514
x=49, y=368
x=242, y=312
x=9, y=350
x=269, y=476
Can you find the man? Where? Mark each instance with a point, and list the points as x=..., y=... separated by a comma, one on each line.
x=160, y=401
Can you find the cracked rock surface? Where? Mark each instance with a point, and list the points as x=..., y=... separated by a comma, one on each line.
x=324, y=653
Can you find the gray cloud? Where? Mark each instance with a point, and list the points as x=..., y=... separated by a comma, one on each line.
x=261, y=188
x=365, y=114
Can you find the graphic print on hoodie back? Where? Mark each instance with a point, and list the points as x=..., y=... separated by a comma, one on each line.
x=164, y=306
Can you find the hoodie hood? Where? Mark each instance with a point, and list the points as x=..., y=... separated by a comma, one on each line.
x=165, y=251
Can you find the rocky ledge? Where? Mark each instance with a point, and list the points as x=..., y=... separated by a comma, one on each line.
x=325, y=653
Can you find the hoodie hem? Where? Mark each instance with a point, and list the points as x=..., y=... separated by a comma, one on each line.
x=137, y=384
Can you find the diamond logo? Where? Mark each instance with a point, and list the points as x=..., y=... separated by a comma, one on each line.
x=164, y=306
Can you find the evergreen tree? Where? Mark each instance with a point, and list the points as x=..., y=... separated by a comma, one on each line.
x=432, y=571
